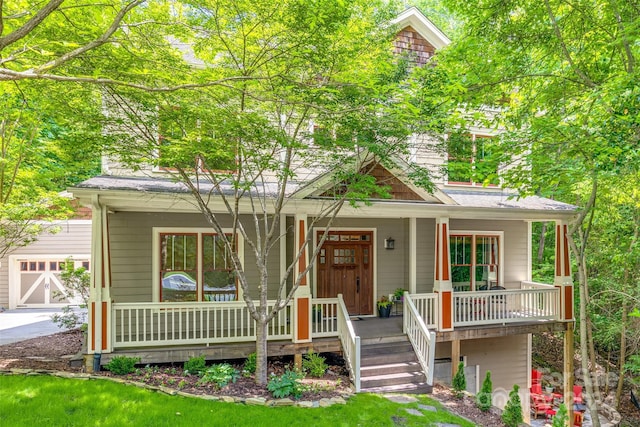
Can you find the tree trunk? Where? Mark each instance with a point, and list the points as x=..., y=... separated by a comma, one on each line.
x=580, y=252
x=625, y=314
x=261, y=351
x=543, y=232
x=623, y=354
x=591, y=401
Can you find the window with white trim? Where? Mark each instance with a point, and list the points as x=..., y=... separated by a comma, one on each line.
x=475, y=261
x=194, y=266
x=470, y=160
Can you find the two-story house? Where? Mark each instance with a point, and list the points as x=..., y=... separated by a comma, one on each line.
x=164, y=289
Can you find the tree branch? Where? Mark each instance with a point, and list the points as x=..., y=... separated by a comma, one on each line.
x=91, y=45
x=32, y=23
x=565, y=51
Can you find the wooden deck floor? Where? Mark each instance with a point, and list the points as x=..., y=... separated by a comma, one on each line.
x=372, y=328
x=368, y=328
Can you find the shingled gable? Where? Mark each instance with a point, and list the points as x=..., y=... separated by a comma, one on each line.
x=401, y=186
x=418, y=35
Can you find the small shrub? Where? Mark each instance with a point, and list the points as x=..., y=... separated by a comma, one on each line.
x=484, y=398
x=249, y=365
x=220, y=375
x=286, y=385
x=195, y=365
x=512, y=414
x=459, y=382
x=561, y=418
x=122, y=365
x=76, y=283
x=314, y=364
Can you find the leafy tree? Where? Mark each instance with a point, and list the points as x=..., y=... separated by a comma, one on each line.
x=76, y=283
x=512, y=414
x=563, y=76
x=459, y=381
x=47, y=129
x=561, y=418
x=485, y=397
x=309, y=86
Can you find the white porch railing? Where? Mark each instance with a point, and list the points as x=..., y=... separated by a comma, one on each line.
x=505, y=306
x=324, y=315
x=525, y=284
x=350, y=342
x=155, y=324
x=427, y=306
x=422, y=340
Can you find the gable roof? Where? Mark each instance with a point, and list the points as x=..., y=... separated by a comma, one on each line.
x=412, y=17
x=402, y=188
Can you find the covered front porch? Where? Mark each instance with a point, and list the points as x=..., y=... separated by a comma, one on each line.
x=137, y=325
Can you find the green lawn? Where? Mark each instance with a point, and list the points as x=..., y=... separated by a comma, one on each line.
x=50, y=401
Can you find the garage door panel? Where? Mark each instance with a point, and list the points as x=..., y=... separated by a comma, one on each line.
x=38, y=282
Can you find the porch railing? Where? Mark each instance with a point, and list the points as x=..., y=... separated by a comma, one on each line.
x=427, y=307
x=324, y=317
x=156, y=324
x=350, y=342
x=422, y=340
x=525, y=284
x=506, y=306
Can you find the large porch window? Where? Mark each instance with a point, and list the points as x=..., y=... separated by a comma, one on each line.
x=194, y=266
x=475, y=261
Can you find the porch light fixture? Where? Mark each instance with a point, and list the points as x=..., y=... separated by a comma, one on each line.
x=389, y=243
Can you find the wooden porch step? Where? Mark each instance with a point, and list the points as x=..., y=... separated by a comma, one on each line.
x=423, y=388
x=390, y=365
x=386, y=349
x=390, y=368
x=416, y=377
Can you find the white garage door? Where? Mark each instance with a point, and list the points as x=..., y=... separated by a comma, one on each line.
x=36, y=281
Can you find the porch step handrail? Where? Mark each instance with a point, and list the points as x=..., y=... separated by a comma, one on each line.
x=350, y=342
x=427, y=306
x=422, y=340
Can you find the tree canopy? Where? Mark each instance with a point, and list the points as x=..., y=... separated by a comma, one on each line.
x=562, y=79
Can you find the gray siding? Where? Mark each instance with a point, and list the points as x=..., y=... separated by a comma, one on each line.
x=507, y=358
x=426, y=253
x=130, y=245
x=73, y=238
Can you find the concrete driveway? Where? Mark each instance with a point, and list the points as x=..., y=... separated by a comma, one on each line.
x=24, y=323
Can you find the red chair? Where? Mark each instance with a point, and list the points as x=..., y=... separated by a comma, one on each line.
x=536, y=390
x=539, y=405
x=536, y=377
x=577, y=419
x=577, y=394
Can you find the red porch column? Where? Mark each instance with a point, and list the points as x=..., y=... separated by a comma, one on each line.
x=563, y=279
x=442, y=276
x=302, y=298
